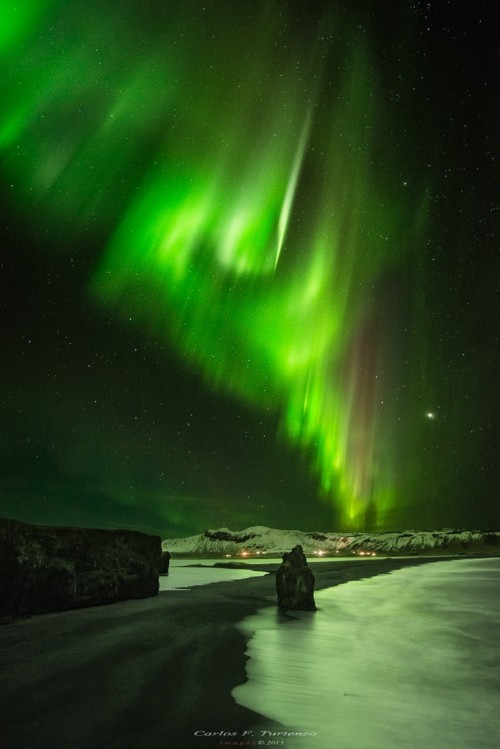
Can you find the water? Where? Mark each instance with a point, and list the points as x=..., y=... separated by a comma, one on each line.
x=410, y=659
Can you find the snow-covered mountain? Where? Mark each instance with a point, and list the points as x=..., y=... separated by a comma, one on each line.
x=260, y=540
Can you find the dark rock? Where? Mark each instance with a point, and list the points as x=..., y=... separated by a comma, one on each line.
x=237, y=538
x=232, y=565
x=295, y=582
x=44, y=569
x=164, y=562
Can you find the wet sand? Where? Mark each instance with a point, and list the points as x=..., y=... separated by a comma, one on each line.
x=148, y=674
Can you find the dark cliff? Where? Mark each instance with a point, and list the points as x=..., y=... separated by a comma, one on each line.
x=44, y=569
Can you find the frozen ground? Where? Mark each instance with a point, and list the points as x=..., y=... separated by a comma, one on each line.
x=276, y=560
x=182, y=577
x=187, y=573
x=408, y=659
x=210, y=561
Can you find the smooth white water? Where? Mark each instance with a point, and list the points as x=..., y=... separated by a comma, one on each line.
x=408, y=660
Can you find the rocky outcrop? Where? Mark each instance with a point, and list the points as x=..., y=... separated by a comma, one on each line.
x=44, y=569
x=295, y=582
x=164, y=563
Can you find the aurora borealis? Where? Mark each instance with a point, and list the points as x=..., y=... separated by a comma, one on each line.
x=249, y=250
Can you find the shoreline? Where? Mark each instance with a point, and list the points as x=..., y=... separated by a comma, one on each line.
x=146, y=673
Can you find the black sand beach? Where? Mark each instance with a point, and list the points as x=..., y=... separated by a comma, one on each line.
x=149, y=674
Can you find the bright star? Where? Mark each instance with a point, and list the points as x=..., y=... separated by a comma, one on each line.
x=430, y=415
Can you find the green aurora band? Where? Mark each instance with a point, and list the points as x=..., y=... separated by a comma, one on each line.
x=257, y=230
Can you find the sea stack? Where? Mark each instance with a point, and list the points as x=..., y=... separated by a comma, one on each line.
x=295, y=582
x=164, y=563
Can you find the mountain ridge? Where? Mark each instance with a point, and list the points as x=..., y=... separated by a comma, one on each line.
x=263, y=540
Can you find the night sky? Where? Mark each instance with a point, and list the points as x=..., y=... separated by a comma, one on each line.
x=249, y=264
